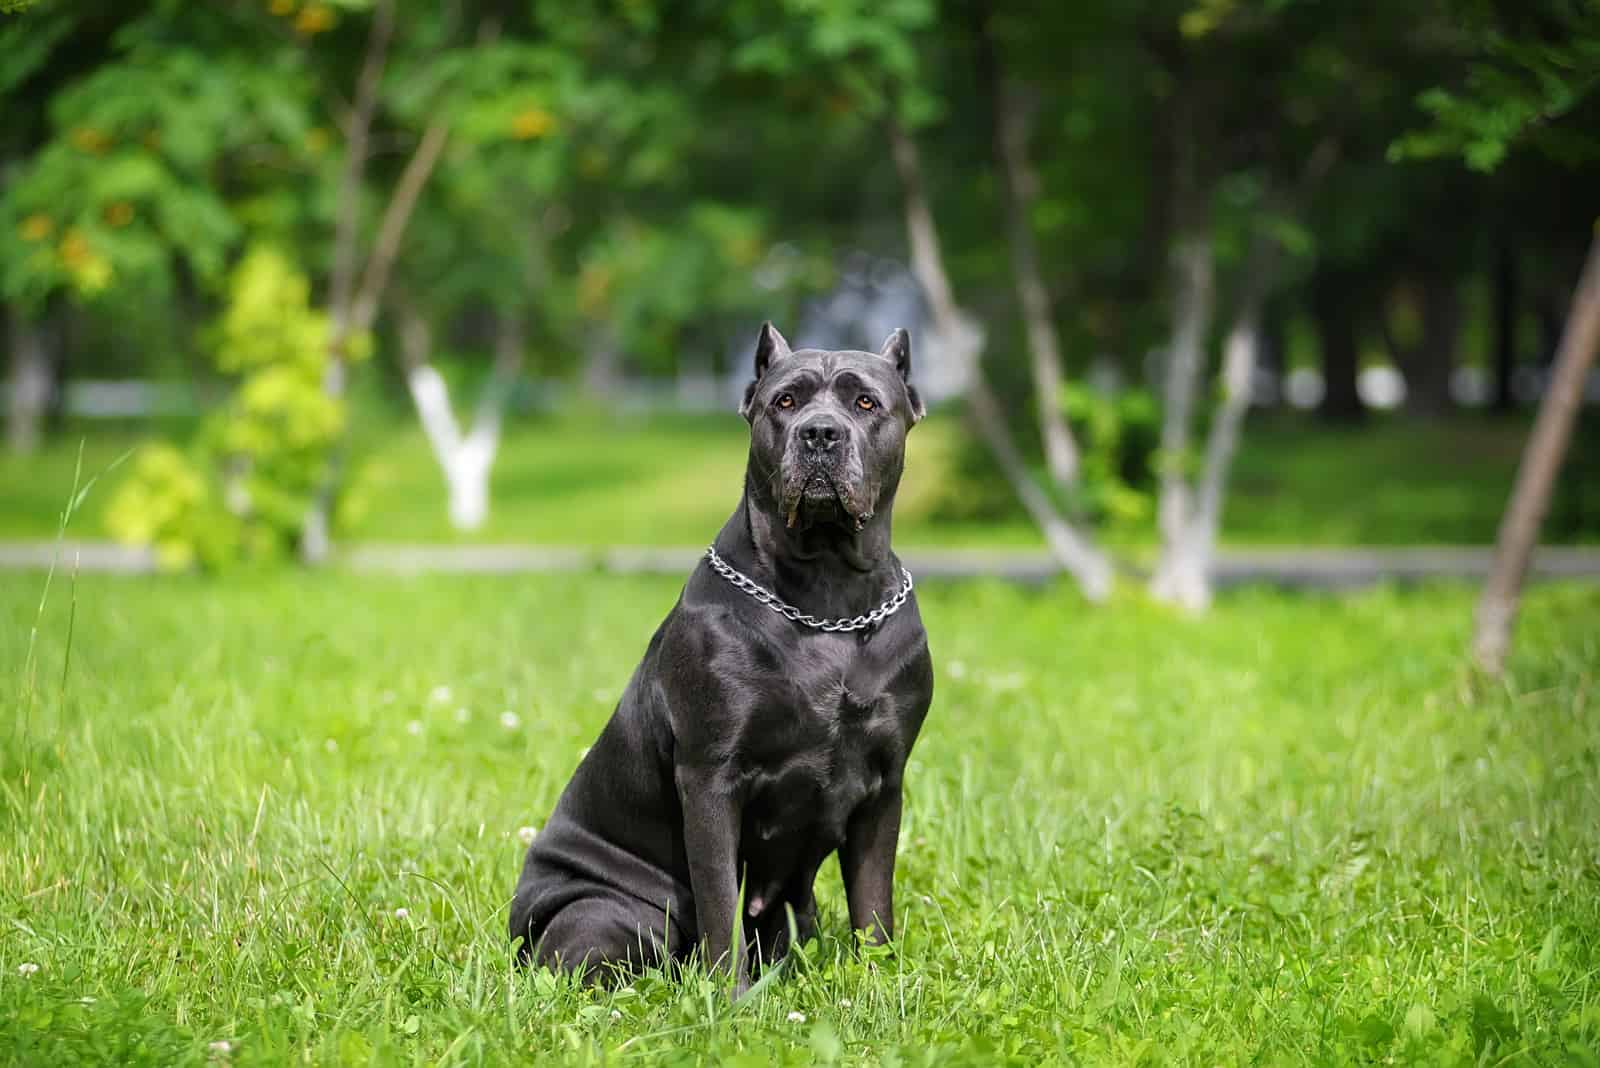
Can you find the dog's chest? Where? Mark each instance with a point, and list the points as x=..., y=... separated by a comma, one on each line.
x=824, y=763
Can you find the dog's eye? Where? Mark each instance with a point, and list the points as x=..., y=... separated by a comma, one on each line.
x=785, y=400
x=866, y=403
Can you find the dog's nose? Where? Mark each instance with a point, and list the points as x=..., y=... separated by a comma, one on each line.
x=821, y=435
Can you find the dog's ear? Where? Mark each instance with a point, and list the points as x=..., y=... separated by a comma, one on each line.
x=897, y=350
x=770, y=348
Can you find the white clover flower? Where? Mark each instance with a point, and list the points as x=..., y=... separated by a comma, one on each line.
x=926, y=900
x=844, y=1003
x=797, y=1017
x=616, y=1014
x=526, y=835
x=221, y=1048
x=510, y=720
x=86, y=1000
x=956, y=669
x=440, y=695
x=331, y=746
x=402, y=913
x=414, y=728
x=463, y=714
x=27, y=968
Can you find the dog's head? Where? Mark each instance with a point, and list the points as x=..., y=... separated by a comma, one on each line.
x=828, y=429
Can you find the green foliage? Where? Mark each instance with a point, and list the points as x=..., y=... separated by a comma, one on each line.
x=1117, y=433
x=168, y=504
x=1527, y=73
x=244, y=492
x=1291, y=833
x=143, y=157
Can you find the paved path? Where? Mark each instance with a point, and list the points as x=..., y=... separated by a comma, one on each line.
x=1308, y=568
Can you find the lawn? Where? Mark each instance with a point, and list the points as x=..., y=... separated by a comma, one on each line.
x=283, y=813
x=604, y=480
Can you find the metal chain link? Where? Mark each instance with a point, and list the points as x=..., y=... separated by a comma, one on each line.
x=742, y=582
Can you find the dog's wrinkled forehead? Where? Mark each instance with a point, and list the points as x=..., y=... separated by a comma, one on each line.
x=828, y=364
x=886, y=374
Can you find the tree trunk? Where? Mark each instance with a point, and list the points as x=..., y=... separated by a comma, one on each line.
x=1333, y=308
x=1183, y=574
x=1536, y=474
x=602, y=361
x=1429, y=364
x=465, y=461
x=1194, y=296
x=1505, y=323
x=31, y=382
x=1271, y=356
x=1074, y=551
x=315, y=535
x=1019, y=188
x=353, y=312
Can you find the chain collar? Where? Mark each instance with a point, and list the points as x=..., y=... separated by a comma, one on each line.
x=743, y=582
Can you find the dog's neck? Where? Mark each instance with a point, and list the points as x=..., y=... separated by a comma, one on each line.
x=826, y=569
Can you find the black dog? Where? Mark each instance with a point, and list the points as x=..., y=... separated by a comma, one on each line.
x=750, y=743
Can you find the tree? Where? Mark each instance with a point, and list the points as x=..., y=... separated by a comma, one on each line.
x=870, y=56
x=121, y=152
x=1534, y=66
x=1019, y=189
x=1253, y=196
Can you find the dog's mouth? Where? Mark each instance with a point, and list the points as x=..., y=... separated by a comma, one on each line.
x=818, y=495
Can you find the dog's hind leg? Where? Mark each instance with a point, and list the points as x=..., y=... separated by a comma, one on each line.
x=595, y=937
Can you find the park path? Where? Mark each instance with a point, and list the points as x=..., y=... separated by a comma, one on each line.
x=1309, y=568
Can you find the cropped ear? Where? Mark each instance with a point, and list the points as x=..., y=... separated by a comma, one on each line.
x=770, y=348
x=897, y=350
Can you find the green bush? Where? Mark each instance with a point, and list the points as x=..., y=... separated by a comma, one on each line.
x=1117, y=434
x=240, y=493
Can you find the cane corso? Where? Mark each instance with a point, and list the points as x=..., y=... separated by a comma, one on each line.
x=769, y=723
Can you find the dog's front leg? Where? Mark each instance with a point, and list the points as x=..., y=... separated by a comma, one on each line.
x=866, y=860
x=711, y=840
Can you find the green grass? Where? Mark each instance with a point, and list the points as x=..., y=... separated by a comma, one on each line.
x=1295, y=830
x=598, y=480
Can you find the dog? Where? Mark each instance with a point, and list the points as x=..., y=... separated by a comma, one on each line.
x=770, y=720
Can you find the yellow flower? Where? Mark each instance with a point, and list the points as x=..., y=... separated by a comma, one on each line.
x=89, y=140
x=281, y=7
x=314, y=19
x=531, y=123
x=74, y=247
x=36, y=227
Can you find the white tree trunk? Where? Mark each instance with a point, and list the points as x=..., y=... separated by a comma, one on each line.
x=1536, y=474
x=1183, y=575
x=1193, y=302
x=1074, y=551
x=29, y=384
x=466, y=461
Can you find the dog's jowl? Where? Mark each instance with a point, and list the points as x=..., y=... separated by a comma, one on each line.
x=769, y=722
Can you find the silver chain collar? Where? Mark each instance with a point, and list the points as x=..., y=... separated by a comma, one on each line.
x=743, y=582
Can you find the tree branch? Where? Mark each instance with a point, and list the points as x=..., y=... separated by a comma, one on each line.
x=395, y=219
x=1076, y=554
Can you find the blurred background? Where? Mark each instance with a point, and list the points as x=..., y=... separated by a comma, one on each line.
x=292, y=278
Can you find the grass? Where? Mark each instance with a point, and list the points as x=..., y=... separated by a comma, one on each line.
x=597, y=480
x=1294, y=831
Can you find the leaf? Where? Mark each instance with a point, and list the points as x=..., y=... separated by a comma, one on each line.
x=1419, y=1020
